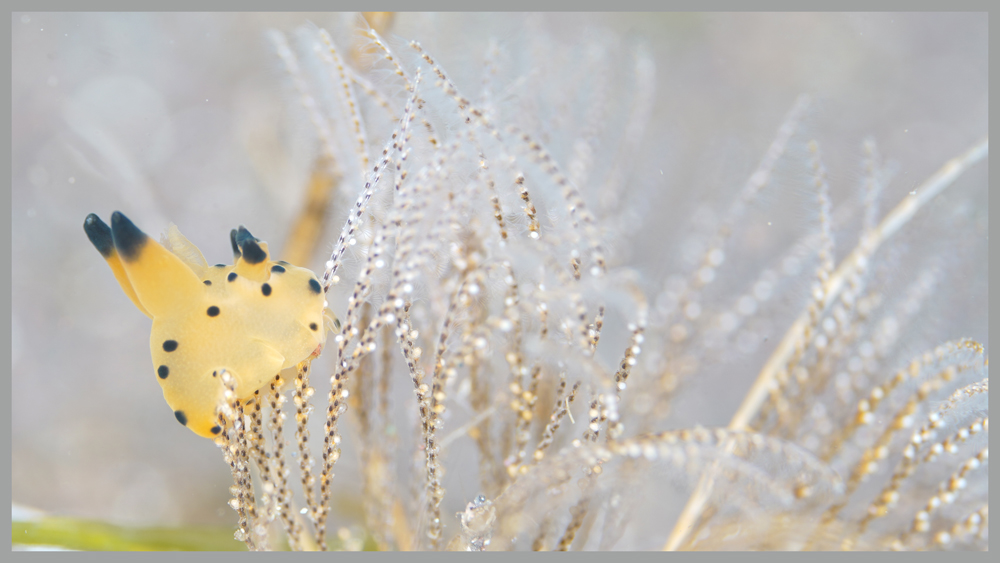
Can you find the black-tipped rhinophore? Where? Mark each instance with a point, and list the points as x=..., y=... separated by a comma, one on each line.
x=99, y=234
x=243, y=235
x=129, y=240
x=236, y=247
x=253, y=253
x=249, y=247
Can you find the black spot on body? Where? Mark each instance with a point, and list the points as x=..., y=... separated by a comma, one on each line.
x=216, y=429
x=283, y=263
x=313, y=326
x=213, y=311
x=207, y=282
x=181, y=417
x=277, y=269
x=163, y=372
x=265, y=289
x=129, y=240
x=220, y=265
x=232, y=276
x=99, y=234
x=169, y=345
x=314, y=285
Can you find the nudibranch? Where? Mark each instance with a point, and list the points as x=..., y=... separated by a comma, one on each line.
x=252, y=319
